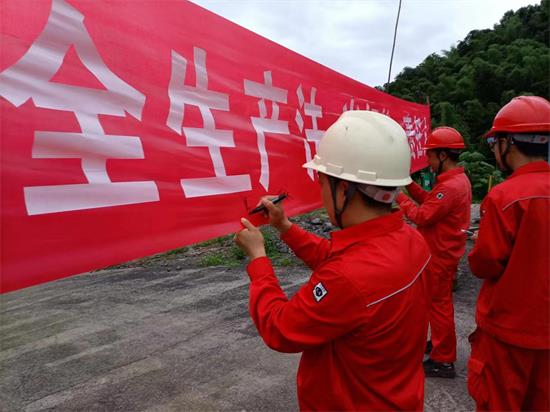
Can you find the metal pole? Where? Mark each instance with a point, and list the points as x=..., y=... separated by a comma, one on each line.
x=394, y=38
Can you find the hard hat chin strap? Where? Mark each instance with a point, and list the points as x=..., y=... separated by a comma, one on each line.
x=350, y=191
x=503, y=155
x=440, y=167
x=450, y=153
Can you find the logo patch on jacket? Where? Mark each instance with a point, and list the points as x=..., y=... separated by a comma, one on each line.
x=440, y=195
x=319, y=291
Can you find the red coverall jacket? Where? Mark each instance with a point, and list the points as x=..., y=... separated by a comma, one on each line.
x=512, y=255
x=360, y=321
x=441, y=214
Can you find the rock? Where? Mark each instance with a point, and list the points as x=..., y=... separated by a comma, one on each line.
x=475, y=215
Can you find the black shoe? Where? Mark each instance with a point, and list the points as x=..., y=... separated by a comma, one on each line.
x=433, y=369
x=429, y=347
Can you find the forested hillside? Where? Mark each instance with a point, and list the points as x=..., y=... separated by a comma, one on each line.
x=468, y=84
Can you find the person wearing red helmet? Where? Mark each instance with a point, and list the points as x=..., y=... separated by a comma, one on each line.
x=440, y=216
x=509, y=365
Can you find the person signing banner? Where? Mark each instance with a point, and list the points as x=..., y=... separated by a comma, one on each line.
x=360, y=321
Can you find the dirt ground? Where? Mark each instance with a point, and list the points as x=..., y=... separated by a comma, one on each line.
x=163, y=334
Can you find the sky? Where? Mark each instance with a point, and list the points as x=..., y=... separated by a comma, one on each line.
x=354, y=37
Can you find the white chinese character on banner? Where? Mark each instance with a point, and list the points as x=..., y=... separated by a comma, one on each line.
x=416, y=131
x=263, y=124
x=207, y=136
x=383, y=110
x=315, y=112
x=29, y=78
x=353, y=105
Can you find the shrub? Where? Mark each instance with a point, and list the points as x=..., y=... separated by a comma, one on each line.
x=479, y=172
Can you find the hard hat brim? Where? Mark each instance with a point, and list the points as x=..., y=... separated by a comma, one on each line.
x=447, y=146
x=353, y=178
x=519, y=128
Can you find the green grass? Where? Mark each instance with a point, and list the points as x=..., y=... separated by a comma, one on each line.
x=237, y=253
x=217, y=241
x=229, y=254
x=213, y=260
x=175, y=251
x=225, y=253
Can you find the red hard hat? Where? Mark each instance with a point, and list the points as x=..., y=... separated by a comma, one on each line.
x=444, y=138
x=523, y=114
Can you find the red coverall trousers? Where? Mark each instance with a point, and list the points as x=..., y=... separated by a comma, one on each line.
x=438, y=281
x=440, y=215
x=503, y=377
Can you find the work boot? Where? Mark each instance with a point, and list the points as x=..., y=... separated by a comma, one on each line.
x=433, y=369
x=429, y=347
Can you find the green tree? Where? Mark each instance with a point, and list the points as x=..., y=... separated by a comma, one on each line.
x=471, y=81
x=480, y=173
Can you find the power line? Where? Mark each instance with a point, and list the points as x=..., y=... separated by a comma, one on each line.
x=394, y=38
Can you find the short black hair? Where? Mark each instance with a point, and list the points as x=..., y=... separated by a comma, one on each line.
x=375, y=204
x=367, y=200
x=532, y=149
x=452, y=154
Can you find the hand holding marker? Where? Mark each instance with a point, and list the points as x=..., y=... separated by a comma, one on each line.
x=258, y=219
x=262, y=208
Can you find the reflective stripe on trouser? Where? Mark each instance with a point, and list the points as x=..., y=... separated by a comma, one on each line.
x=438, y=283
x=502, y=377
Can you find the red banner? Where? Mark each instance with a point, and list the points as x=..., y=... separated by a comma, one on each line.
x=131, y=128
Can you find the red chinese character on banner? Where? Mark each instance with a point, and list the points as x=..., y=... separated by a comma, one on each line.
x=263, y=124
x=315, y=112
x=208, y=136
x=29, y=78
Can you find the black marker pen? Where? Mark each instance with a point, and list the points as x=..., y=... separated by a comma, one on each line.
x=262, y=208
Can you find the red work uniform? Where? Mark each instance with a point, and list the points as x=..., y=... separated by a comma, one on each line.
x=360, y=321
x=440, y=215
x=509, y=365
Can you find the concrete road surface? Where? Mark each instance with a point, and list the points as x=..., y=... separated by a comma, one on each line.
x=164, y=337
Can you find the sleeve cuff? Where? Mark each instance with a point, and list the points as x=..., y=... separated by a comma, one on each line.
x=293, y=237
x=291, y=233
x=401, y=197
x=259, y=267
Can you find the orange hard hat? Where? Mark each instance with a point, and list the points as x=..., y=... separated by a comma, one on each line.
x=523, y=114
x=444, y=138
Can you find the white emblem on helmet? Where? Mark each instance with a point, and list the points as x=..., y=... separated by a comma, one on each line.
x=440, y=195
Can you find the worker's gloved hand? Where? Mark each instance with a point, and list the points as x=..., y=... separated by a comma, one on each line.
x=250, y=240
x=275, y=214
